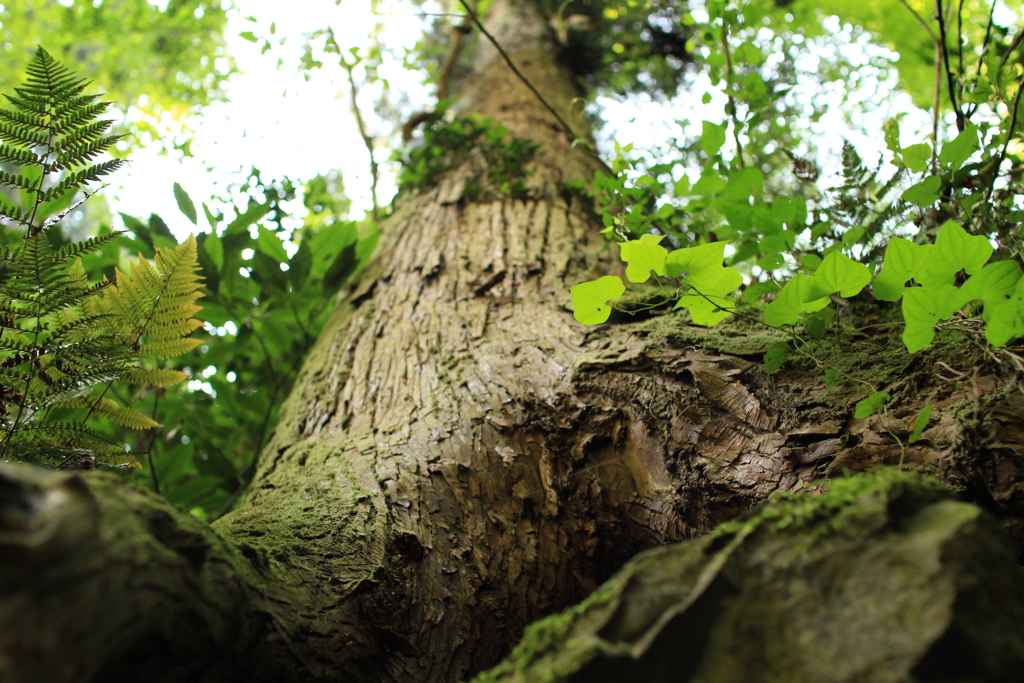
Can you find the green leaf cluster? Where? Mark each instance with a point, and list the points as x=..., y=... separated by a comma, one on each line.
x=447, y=145
x=937, y=230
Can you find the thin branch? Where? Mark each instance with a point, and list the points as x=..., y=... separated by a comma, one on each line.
x=152, y=445
x=921, y=21
x=1009, y=136
x=936, y=102
x=984, y=49
x=1002, y=62
x=508, y=60
x=367, y=138
x=940, y=15
x=938, y=82
x=732, y=100
x=960, y=38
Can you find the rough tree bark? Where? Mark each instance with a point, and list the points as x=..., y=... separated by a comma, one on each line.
x=459, y=457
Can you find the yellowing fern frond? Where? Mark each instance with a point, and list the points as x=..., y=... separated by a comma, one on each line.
x=154, y=306
x=125, y=416
x=157, y=377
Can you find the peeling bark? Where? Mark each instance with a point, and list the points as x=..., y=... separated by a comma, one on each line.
x=460, y=458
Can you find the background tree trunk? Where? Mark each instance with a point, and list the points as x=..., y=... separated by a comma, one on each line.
x=459, y=457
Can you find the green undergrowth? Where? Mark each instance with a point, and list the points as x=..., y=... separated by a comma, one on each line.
x=739, y=336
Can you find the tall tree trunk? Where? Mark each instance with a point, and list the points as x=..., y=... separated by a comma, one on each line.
x=459, y=457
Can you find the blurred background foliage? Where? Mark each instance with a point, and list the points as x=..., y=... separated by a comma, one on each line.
x=165, y=56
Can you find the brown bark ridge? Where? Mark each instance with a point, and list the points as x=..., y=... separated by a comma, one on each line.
x=459, y=457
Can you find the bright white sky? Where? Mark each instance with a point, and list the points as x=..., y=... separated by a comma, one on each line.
x=271, y=119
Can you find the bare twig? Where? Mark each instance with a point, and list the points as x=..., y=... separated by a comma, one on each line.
x=950, y=81
x=984, y=49
x=353, y=93
x=938, y=82
x=1009, y=136
x=732, y=100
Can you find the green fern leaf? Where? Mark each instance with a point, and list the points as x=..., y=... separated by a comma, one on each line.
x=77, y=179
x=116, y=413
x=23, y=135
x=154, y=377
x=12, y=212
x=154, y=306
x=171, y=347
x=18, y=181
x=18, y=156
x=23, y=118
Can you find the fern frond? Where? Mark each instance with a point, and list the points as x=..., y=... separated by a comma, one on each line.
x=16, y=155
x=45, y=75
x=76, y=111
x=88, y=246
x=12, y=212
x=171, y=347
x=24, y=118
x=79, y=178
x=23, y=135
x=124, y=416
x=18, y=180
x=155, y=305
x=82, y=134
x=58, y=428
x=73, y=386
x=84, y=324
x=78, y=155
x=154, y=377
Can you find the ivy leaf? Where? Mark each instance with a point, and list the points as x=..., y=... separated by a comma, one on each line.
x=925, y=192
x=185, y=204
x=916, y=157
x=792, y=299
x=955, y=152
x=1004, y=320
x=920, y=422
x=709, y=183
x=838, y=273
x=868, y=406
x=925, y=306
x=993, y=283
x=816, y=324
x=271, y=245
x=702, y=264
x=643, y=256
x=832, y=379
x=712, y=137
x=709, y=305
x=960, y=250
x=214, y=248
x=902, y=260
x=744, y=183
x=775, y=356
x=590, y=299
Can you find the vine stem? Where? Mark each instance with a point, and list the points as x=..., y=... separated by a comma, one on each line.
x=733, y=115
x=1009, y=136
x=353, y=93
x=938, y=82
x=941, y=16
